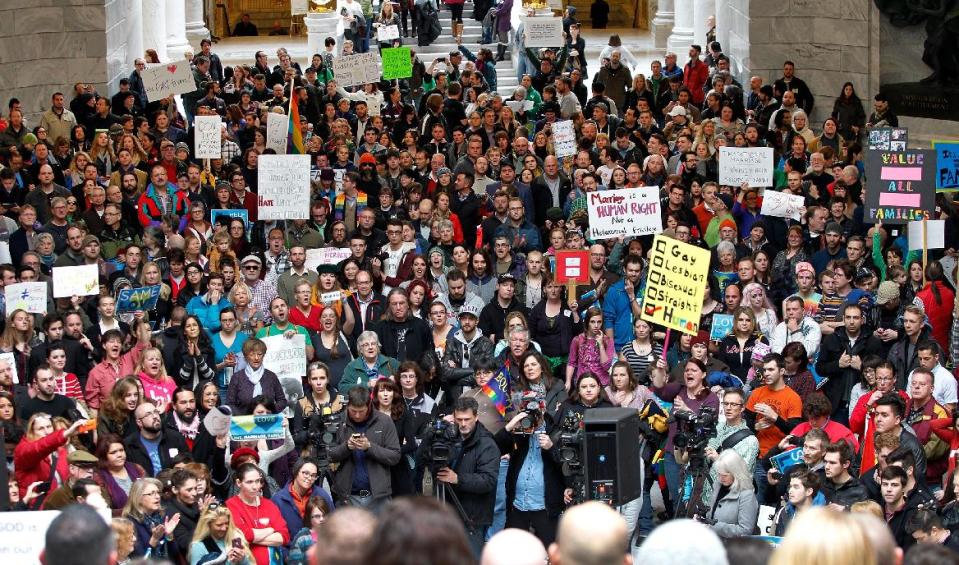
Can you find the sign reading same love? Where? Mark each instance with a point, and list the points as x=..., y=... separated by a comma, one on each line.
x=140, y=299
x=753, y=165
x=901, y=185
x=626, y=212
x=354, y=70
x=674, y=285
x=284, y=191
x=160, y=81
x=266, y=426
x=947, y=165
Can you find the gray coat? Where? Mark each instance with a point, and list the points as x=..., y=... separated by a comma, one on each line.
x=384, y=452
x=735, y=514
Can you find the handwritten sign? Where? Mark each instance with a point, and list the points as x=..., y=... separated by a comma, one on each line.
x=167, y=79
x=564, y=138
x=674, y=285
x=901, y=185
x=760, y=350
x=722, y=326
x=397, y=62
x=266, y=426
x=140, y=299
x=287, y=358
x=947, y=165
x=353, y=70
x=572, y=266
x=83, y=280
x=935, y=234
x=753, y=165
x=543, y=31
x=388, y=33
x=782, y=204
x=206, y=140
x=23, y=535
x=888, y=139
x=284, y=191
x=520, y=106
x=626, y=212
x=277, y=132
x=326, y=256
x=299, y=7
x=29, y=296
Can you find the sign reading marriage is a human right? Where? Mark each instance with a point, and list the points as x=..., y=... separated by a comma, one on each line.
x=675, y=282
x=626, y=212
x=284, y=191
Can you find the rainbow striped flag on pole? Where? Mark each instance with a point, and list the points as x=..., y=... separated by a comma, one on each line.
x=296, y=146
x=497, y=390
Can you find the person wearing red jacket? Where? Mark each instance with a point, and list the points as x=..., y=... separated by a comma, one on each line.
x=862, y=422
x=41, y=448
x=695, y=75
x=938, y=301
x=160, y=198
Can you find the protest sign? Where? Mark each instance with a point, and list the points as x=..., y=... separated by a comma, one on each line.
x=12, y=364
x=753, y=165
x=760, y=350
x=543, y=31
x=564, y=138
x=572, y=266
x=23, y=535
x=947, y=165
x=674, y=285
x=286, y=357
x=230, y=213
x=284, y=191
x=83, y=280
x=935, y=234
x=354, y=70
x=266, y=426
x=388, y=33
x=901, y=186
x=299, y=7
x=326, y=256
x=518, y=106
x=787, y=459
x=782, y=204
x=331, y=297
x=206, y=143
x=888, y=139
x=397, y=62
x=160, y=81
x=277, y=132
x=140, y=299
x=626, y=212
x=722, y=326
x=28, y=296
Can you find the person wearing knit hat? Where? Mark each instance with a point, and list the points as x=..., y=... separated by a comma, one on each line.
x=727, y=230
x=367, y=159
x=443, y=171
x=806, y=287
x=887, y=293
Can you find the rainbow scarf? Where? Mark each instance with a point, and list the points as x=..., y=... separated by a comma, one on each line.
x=296, y=146
x=339, y=205
x=496, y=389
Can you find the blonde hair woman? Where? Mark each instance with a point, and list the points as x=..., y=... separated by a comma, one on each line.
x=249, y=318
x=733, y=507
x=154, y=533
x=217, y=529
x=125, y=538
x=821, y=536
x=33, y=457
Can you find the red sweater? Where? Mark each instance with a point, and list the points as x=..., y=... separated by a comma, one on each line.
x=266, y=515
x=863, y=424
x=31, y=463
x=940, y=314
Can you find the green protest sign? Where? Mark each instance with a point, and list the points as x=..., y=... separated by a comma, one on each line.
x=397, y=63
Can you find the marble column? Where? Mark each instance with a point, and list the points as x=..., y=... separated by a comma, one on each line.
x=176, y=42
x=662, y=24
x=154, y=27
x=703, y=9
x=683, y=33
x=195, y=26
x=319, y=26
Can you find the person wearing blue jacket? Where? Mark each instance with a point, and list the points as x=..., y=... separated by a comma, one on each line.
x=803, y=492
x=623, y=303
x=295, y=494
x=207, y=306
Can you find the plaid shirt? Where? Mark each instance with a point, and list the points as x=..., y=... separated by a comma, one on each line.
x=276, y=266
x=229, y=150
x=263, y=293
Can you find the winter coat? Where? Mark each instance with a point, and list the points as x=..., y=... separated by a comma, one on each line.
x=239, y=395
x=841, y=380
x=735, y=513
x=477, y=467
x=171, y=445
x=384, y=452
x=291, y=515
x=452, y=373
x=355, y=373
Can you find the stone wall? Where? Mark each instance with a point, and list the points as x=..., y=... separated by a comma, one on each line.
x=124, y=39
x=47, y=46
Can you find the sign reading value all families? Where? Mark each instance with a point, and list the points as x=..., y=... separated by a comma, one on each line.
x=675, y=282
x=901, y=185
x=626, y=212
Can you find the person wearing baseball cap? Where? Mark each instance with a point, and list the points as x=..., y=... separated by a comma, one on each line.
x=467, y=345
x=833, y=249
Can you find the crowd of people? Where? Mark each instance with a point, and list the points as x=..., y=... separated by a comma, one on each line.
x=443, y=355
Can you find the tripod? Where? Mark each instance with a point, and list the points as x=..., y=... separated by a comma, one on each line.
x=443, y=493
x=698, y=471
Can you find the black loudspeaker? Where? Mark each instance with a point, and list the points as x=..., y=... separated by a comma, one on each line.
x=611, y=456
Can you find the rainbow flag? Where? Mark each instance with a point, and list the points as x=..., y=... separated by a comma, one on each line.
x=496, y=389
x=296, y=146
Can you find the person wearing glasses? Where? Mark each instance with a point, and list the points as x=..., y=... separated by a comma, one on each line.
x=154, y=534
x=731, y=433
x=151, y=446
x=298, y=492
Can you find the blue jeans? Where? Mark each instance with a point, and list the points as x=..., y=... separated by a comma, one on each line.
x=762, y=482
x=673, y=469
x=499, y=509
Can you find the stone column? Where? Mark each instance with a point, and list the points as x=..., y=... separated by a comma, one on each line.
x=703, y=9
x=176, y=43
x=154, y=27
x=195, y=26
x=319, y=26
x=683, y=33
x=662, y=23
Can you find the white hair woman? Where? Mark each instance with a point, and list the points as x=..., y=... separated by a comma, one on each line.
x=733, y=508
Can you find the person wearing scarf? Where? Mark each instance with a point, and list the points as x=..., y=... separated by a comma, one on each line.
x=255, y=380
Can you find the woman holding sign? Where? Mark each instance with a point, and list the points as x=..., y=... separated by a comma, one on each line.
x=387, y=17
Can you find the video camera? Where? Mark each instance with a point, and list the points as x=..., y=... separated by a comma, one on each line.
x=323, y=428
x=694, y=430
x=444, y=440
x=572, y=445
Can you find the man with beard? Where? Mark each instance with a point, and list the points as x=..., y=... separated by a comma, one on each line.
x=286, y=283
x=374, y=237
x=150, y=445
x=404, y=337
x=47, y=399
x=457, y=298
x=76, y=355
x=841, y=358
x=184, y=420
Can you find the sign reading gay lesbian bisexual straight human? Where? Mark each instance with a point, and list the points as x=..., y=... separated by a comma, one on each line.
x=901, y=185
x=675, y=282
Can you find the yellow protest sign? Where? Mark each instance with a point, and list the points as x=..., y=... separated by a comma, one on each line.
x=675, y=282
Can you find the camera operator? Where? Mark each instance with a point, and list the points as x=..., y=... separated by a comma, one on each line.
x=731, y=433
x=366, y=448
x=472, y=472
x=536, y=490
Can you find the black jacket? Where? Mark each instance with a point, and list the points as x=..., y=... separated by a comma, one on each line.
x=411, y=337
x=846, y=494
x=171, y=445
x=183, y=533
x=841, y=380
x=517, y=447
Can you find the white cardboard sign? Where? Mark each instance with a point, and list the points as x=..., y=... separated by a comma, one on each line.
x=626, y=212
x=284, y=191
x=160, y=81
x=753, y=165
x=206, y=139
x=543, y=31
